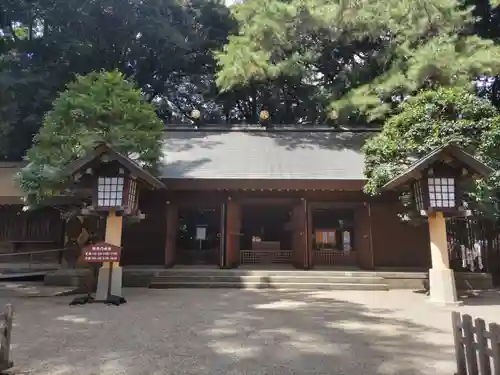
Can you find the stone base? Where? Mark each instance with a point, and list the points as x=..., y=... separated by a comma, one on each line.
x=103, y=280
x=71, y=277
x=442, y=287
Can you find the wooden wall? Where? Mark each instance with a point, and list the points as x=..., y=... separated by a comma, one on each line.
x=381, y=239
x=144, y=242
x=395, y=243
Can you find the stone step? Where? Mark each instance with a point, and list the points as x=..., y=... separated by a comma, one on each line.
x=267, y=273
x=270, y=278
x=281, y=285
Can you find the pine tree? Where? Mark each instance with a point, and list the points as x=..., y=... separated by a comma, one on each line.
x=96, y=107
x=361, y=57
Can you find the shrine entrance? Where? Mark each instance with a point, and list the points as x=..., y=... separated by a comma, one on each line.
x=198, y=237
x=266, y=234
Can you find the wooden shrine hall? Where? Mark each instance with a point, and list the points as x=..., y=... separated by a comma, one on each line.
x=247, y=196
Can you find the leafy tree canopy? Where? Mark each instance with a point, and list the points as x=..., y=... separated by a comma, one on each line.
x=96, y=107
x=306, y=61
x=357, y=59
x=431, y=119
x=165, y=46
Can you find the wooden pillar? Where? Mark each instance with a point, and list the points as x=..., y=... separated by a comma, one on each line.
x=233, y=228
x=439, y=244
x=309, y=240
x=114, y=225
x=171, y=234
x=300, y=254
x=363, y=237
x=441, y=277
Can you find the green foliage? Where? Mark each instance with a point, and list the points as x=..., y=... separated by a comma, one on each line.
x=432, y=119
x=164, y=46
x=359, y=58
x=96, y=107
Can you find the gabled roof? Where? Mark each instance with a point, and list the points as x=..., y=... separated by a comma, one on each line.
x=259, y=154
x=105, y=149
x=452, y=150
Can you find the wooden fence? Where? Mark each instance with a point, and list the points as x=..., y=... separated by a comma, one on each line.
x=477, y=345
x=6, y=327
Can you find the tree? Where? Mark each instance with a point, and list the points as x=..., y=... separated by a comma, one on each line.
x=96, y=107
x=165, y=46
x=353, y=61
x=432, y=119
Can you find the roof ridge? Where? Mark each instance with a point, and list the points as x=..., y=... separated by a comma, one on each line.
x=274, y=129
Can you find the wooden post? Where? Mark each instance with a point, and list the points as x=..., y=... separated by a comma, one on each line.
x=459, y=347
x=469, y=342
x=482, y=347
x=494, y=330
x=6, y=338
x=222, y=237
x=439, y=244
x=233, y=228
x=171, y=234
x=441, y=277
x=309, y=240
x=362, y=234
x=299, y=236
x=113, y=236
x=306, y=261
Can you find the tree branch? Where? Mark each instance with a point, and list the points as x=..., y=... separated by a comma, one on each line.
x=13, y=31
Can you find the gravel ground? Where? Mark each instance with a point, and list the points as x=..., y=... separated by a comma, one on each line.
x=234, y=332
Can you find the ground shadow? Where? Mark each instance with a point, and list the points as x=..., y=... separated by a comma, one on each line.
x=480, y=298
x=224, y=332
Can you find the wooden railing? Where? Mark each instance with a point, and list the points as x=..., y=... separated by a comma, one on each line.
x=331, y=257
x=477, y=346
x=6, y=329
x=42, y=226
x=265, y=256
x=50, y=256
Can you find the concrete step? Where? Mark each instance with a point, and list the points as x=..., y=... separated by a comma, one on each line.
x=281, y=285
x=268, y=278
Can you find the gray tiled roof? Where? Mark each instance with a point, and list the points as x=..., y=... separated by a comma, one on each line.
x=263, y=155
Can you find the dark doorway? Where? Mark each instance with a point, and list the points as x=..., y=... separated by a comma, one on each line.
x=266, y=234
x=143, y=242
x=198, y=238
x=333, y=236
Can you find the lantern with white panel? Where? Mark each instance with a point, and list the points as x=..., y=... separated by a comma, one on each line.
x=118, y=193
x=435, y=181
x=437, y=190
x=114, y=180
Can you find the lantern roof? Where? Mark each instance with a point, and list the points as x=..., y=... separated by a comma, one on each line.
x=443, y=153
x=103, y=148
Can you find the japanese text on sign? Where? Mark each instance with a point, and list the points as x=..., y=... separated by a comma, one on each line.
x=102, y=253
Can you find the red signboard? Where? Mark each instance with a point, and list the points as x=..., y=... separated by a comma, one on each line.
x=101, y=252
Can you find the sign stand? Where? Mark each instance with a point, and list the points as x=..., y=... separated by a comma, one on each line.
x=109, y=283
x=201, y=235
x=115, y=180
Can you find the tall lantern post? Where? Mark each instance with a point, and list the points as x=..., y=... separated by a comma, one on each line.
x=434, y=182
x=113, y=181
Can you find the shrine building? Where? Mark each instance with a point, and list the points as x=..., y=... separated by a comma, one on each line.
x=248, y=196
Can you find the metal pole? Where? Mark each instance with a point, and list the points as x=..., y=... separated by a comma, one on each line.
x=110, y=276
x=200, y=253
